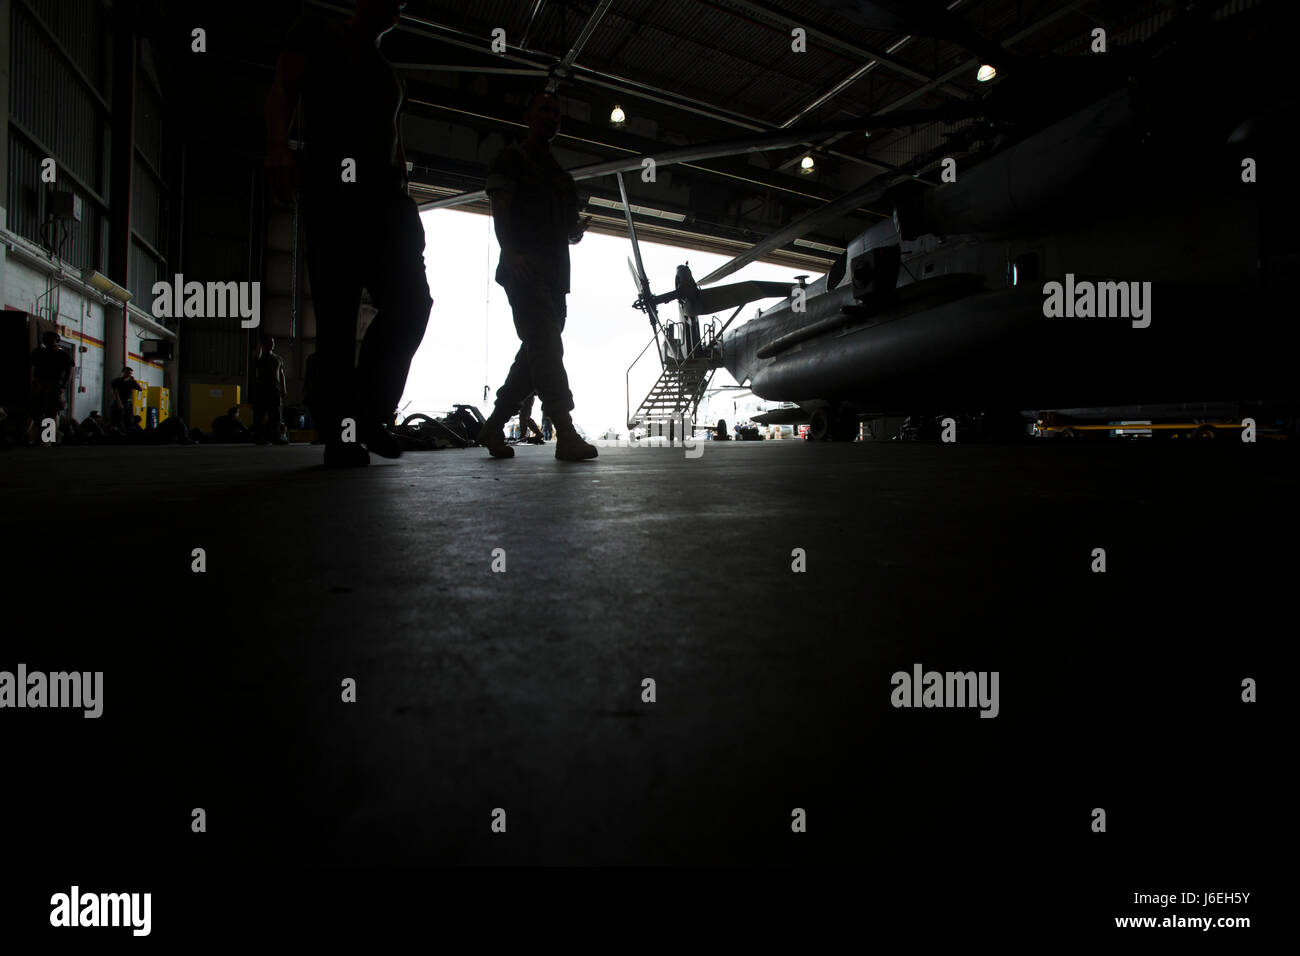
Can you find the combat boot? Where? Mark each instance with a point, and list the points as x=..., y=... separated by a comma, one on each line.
x=491, y=437
x=569, y=446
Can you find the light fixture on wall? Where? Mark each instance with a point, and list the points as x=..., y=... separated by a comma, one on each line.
x=102, y=283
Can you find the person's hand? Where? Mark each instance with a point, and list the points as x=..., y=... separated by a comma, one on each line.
x=522, y=268
x=281, y=172
x=575, y=237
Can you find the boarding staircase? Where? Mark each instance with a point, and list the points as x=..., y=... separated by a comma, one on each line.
x=687, y=361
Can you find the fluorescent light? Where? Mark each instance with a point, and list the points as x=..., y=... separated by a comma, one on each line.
x=819, y=246
x=104, y=284
x=639, y=210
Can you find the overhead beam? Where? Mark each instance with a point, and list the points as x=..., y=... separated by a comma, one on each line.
x=620, y=84
x=589, y=138
x=585, y=34
x=538, y=60
x=969, y=65
x=830, y=38
x=532, y=18
x=849, y=81
x=974, y=62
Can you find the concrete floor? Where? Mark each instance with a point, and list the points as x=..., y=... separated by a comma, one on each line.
x=521, y=690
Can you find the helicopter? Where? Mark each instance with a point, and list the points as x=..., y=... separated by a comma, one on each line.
x=1136, y=169
x=945, y=307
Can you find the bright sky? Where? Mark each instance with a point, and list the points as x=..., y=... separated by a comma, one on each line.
x=471, y=339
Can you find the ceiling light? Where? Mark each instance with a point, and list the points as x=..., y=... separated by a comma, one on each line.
x=617, y=116
x=806, y=164
x=986, y=73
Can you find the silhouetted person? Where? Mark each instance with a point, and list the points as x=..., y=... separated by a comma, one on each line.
x=134, y=431
x=93, y=429
x=124, y=388
x=269, y=390
x=528, y=430
x=229, y=429
x=171, y=431
x=535, y=211
x=51, y=370
x=362, y=229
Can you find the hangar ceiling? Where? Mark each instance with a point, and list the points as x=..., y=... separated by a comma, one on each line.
x=688, y=71
x=683, y=72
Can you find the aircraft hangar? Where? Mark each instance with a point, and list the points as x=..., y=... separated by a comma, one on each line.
x=965, y=598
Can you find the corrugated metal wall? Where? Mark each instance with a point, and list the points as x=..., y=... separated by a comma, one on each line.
x=148, y=193
x=218, y=224
x=49, y=100
x=54, y=111
x=80, y=28
x=23, y=201
x=58, y=108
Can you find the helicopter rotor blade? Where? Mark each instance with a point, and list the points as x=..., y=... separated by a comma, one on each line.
x=636, y=279
x=643, y=283
x=709, y=301
x=777, y=139
x=871, y=191
x=925, y=18
x=458, y=68
x=868, y=192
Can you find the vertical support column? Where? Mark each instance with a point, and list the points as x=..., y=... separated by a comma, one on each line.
x=175, y=165
x=6, y=15
x=121, y=162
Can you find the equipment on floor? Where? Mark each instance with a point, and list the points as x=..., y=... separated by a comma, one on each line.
x=456, y=429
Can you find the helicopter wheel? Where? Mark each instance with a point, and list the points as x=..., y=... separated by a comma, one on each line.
x=819, y=425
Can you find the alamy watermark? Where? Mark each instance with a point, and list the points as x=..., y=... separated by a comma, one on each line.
x=75, y=908
x=72, y=689
x=662, y=434
x=1085, y=299
x=208, y=300
x=947, y=689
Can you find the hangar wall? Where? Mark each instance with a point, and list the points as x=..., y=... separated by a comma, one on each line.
x=82, y=317
x=73, y=77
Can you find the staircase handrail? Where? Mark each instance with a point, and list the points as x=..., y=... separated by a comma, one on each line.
x=627, y=377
